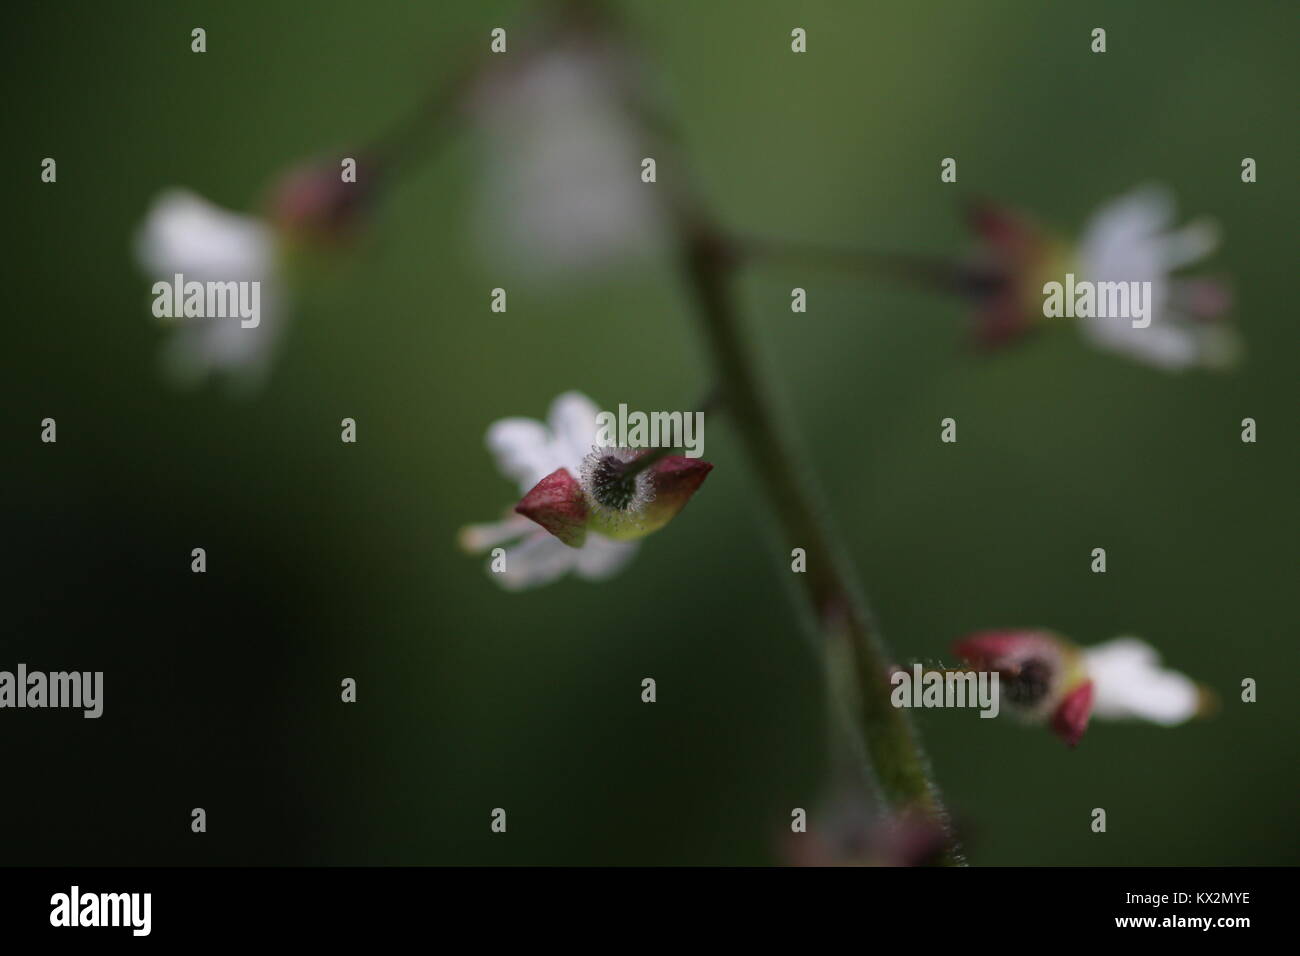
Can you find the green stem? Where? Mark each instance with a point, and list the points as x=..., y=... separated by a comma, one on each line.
x=857, y=660
x=936, y=273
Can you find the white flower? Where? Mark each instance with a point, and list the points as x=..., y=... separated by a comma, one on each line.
x=1129, y=240
x=562, y=185
x=1045, y=676
x=1128, y=682
x=184, y=233
x=526, y=452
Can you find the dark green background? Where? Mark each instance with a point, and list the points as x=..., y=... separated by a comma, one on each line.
x=329, y=560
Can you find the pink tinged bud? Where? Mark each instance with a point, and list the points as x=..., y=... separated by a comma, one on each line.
x=1016, y=252
x=676, y=478
x=1041, y=676
x=315, y=202
x=1071, y=717
x=851, y=834
x=558, y=504
x=910, y=840
x=996, y=650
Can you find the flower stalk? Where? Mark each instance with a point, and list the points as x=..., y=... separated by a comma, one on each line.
x=936, y=273
x=858, y=662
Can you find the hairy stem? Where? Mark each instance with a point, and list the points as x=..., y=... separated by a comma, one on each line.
x=857, y=661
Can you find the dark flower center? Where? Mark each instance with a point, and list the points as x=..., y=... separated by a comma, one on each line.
x=611, y=485
x=1028, y=683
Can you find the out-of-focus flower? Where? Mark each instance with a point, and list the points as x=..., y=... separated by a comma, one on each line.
x=1043, y=676
x=1128, y=239
x=185, y=234
x=565, y=530
x=846, y=832
x=561, y=186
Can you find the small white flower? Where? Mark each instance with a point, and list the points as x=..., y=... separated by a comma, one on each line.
x=1044, y=676
x=562, y=186
x=526, y=452
x=1129, y=240
x=1129, y=683
x=184, y=233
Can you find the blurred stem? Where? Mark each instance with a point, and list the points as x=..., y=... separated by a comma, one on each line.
x=858, y=664
x=645, y=460
x=937, y=273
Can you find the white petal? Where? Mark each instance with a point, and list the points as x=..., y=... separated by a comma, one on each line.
x=1129, y=683
x=199, y=347
x=573, y=426
x=480, y=538
x=601, y=558
x=1127, y=241
x=185, y=233
x=1167, y=344
x=1143, y=211
x=1194, y=241
x=540, y=559
x=524, y=450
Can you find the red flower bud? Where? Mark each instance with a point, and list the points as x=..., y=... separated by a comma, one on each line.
x=558, y=504
x=1040, y=675
x=314, y=201
x=676, y=478
x=1017, y=254
x=1070, y=719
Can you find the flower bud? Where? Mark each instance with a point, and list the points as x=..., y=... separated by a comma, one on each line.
x=619, y=496
x=1046, y=677
x=314, y=202
x=632, y=506
x=1040, y=674
x=1020, y=257
x=1070, y=719
x=558, y=504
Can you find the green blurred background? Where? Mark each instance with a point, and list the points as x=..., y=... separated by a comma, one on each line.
x=328, y=560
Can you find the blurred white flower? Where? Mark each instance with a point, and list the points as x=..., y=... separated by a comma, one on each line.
x=1046, y=677
x=527, y=451
x=1129, y=683
x=184, y=233
x=1130, y=240
x=561, y=188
